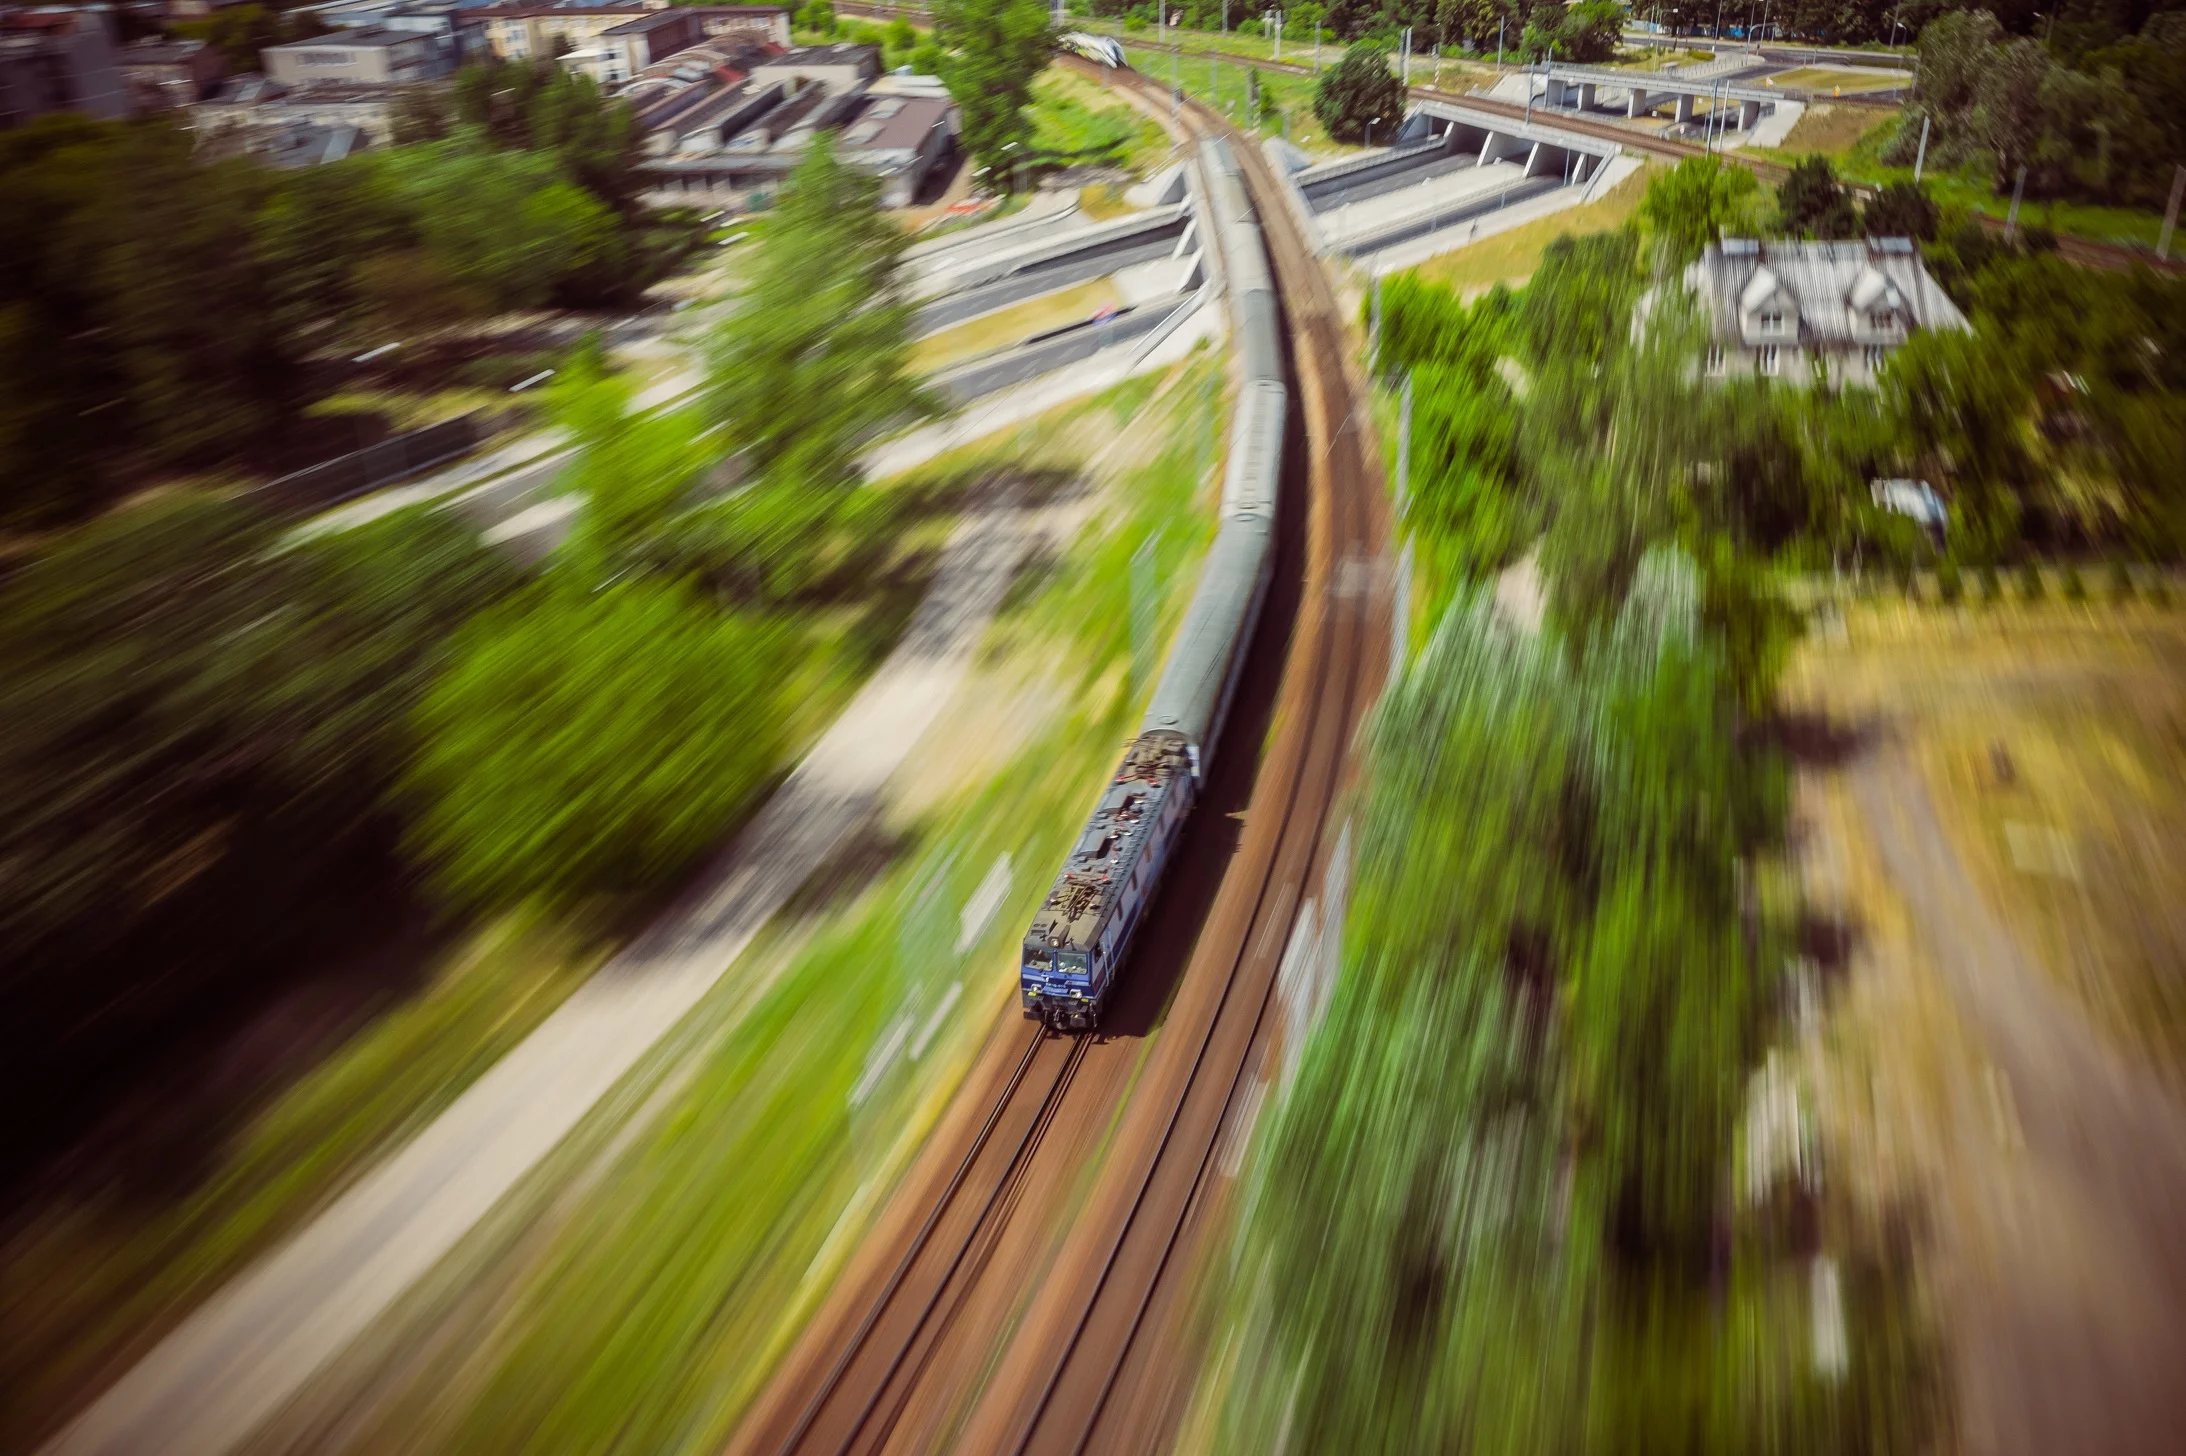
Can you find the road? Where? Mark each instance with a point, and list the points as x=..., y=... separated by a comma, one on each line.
x=1024, y=1289
x=221, y=1373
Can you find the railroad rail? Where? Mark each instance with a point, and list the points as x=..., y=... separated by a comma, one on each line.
x=1098, y=1342
x=933, y=1345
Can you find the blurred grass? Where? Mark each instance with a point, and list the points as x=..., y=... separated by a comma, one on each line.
x=86, y=1285
x=1850, y=83
x=649, y=1310
x=1824, y=130
x=1078, y=121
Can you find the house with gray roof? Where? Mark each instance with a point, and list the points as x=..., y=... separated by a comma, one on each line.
x=1799, y=311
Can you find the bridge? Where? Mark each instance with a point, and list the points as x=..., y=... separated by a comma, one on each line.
x=1596, y=88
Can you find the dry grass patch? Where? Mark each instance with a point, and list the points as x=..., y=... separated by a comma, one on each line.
x=1831, y=131
x=1510, y=257
x=1004, y=327
x=1851, y=83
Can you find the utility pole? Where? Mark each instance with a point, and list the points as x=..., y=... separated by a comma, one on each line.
x=1176, y=63
x=1920, y=158
x=2011, y=223
x=1499, y=40
x=1316, y=47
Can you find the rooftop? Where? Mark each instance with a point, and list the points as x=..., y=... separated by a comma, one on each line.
x=1827, y=287
x=891, y=122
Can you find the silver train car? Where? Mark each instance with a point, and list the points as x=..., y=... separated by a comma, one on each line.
x=1107, y=50
x=1078, y=938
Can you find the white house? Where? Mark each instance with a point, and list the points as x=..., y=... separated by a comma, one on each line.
x=1791, y=310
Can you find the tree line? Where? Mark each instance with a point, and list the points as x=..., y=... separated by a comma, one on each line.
x=2098, y=113
x=164, y=309
x=216, y=731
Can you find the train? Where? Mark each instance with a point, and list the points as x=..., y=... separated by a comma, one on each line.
x=1079, y=937
x=1101, y=49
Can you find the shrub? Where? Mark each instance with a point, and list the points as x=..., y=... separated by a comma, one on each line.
x=1992, y=590
x=585, y=743
x=2075, y=589
x=2121, y=582
x=2030, y=583
x=1949, y=585
x=1359, y=92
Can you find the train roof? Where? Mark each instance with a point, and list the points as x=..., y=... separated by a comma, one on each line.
x=1070, y=918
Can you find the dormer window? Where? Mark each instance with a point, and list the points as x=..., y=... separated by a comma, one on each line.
x=1883, y=318
x=1771, y=321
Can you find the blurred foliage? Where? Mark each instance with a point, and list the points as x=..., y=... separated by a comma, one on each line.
x=586, y=743
x=815, y=359
x=160, y=307
x=199, y=727
x=1519, y=1106
x=1812, y=203
x=2099, y=113
x=1696, y=203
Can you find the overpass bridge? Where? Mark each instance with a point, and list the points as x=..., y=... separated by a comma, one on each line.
x=1641, y=93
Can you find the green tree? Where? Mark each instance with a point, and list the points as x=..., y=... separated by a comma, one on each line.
x=1901, y=210
x=198, y=726
x=238, y=32
x=1962, y=408
x=995, y=48
x=2007, y=109
x=817, y=356
x=1360, y=95
x=1811, y=202
x=586, y=743
x=501, y=229
x=634, y=471
x=1692, y=204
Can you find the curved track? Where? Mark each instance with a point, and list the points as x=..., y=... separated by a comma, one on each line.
x=1017, y=1292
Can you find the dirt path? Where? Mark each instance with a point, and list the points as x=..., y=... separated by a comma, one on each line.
x=2062, y=1270
x=246, y=1351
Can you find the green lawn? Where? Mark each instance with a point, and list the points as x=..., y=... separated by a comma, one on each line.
x=1225, y=86
x=1972, y=188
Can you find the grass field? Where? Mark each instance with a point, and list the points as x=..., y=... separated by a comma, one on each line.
x=638, y=1299
x=1225, y=85
x=1825, y=130
x=1849, y=83
x=1005, y=327
x=1510, y=257
x=1074, y=119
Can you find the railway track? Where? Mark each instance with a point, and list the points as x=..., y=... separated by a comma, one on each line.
x=1100, y=1380
x=1002, y=1306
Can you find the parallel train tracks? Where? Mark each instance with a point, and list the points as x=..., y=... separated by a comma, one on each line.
x=933, y=1345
